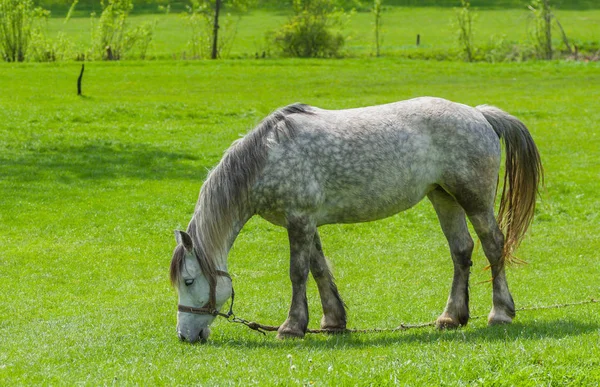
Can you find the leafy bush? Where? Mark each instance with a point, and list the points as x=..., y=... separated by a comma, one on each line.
x=198, y=21
x=19, y=21
x=111, y=36
x=44, y=49
x=542, y=32
x=500, y=49
x=311, y=31
x=464, y=18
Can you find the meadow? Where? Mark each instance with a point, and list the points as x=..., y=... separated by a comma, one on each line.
x=92, y=187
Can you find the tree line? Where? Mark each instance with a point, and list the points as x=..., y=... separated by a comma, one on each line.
x=313, y=28
x=180, y=4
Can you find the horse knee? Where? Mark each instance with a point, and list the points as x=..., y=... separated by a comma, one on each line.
x=298, y=276
x=299, y=269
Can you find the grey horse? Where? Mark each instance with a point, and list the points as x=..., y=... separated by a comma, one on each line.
x=303, y=167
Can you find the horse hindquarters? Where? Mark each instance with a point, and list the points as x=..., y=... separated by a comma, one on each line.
x=468, y=187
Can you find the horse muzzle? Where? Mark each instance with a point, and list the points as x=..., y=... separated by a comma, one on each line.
x=191, y=338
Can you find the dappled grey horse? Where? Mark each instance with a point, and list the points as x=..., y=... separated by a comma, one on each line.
x=303, y=167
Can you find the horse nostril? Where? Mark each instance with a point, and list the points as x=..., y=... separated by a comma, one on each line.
x=181, y=337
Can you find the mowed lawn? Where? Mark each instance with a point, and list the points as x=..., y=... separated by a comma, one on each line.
x=91, y=189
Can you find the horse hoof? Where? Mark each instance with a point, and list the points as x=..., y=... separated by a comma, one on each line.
x=287, y=333
x=333, y=326
x=447, y=322
x=499, y=319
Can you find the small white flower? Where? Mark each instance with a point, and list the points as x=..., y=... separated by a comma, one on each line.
x=330, y=368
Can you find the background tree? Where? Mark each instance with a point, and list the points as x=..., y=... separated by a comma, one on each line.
x=377, y=10
x=209, y=13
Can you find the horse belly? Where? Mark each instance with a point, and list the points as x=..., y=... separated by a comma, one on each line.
x=344, y=192
x=379, y=196
x=361, y=204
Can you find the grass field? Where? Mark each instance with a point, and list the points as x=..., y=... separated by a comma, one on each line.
x=437, y=27
x=92, y=188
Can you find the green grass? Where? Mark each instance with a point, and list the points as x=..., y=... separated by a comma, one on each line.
x=91, y=189
x=437, y=27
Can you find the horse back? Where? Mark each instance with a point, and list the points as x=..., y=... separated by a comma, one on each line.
x=368, y=163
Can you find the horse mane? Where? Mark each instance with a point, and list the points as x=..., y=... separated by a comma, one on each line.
x=224, y=196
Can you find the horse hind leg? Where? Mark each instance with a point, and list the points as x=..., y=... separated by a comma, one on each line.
x=334, y=312
x=453, y=222
x=492, y=240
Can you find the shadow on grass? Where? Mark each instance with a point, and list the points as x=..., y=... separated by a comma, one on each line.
x=101, y=161
x=554, y=329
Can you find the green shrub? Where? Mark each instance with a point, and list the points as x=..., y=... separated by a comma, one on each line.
x=500, y=49
x=111, y=36
x=311, y=31
x=464, y=18
x=19, y=21
x=542, y=30
x=198, y=21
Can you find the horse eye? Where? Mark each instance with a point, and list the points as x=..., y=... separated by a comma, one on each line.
x=188, y=282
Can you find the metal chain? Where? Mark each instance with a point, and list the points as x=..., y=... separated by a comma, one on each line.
x=402, y=327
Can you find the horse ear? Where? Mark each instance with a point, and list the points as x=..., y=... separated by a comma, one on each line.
x=184, y=239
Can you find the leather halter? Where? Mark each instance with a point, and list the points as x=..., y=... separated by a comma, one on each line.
x=210, y=306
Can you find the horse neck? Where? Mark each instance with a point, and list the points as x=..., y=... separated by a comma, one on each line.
x=224, y=204
x=217, y=227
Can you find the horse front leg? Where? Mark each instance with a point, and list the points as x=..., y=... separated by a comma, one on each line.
x=453, y=222
x=334, y=311
x=301, y=232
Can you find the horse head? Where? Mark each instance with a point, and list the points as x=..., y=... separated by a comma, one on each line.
x=201, y=288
